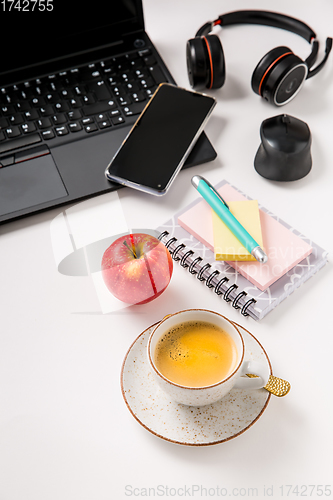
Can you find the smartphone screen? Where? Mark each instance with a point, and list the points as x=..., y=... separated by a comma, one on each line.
x=161, y=139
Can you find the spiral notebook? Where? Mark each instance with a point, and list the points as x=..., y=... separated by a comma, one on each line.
x=229, y=279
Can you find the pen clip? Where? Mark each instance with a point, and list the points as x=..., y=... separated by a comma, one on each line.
x=215, y=192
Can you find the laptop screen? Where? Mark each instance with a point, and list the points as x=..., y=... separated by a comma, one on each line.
x=38, y=31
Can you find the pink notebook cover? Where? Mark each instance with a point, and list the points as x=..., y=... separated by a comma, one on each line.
x=283, y=248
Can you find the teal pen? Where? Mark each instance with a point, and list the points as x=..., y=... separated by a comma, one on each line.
x=220, y=207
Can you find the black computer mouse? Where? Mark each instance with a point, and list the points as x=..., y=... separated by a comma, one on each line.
x=284, y=153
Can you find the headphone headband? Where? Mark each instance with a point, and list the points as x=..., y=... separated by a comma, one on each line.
x=269, y=19
x=262, y=17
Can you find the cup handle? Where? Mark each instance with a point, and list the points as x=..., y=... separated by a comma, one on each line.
x=257, y=382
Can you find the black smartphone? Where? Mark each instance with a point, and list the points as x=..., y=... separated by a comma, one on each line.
x=161, y=139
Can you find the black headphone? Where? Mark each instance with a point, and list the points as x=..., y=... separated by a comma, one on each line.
x=277, y=77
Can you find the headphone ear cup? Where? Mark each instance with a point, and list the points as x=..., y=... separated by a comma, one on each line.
x=205, y=62
x=279, y=75
x=265, y=65
x=216, y=61
x=197, y=64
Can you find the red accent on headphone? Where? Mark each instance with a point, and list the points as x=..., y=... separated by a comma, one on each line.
x=210, y=62
x=270, y=67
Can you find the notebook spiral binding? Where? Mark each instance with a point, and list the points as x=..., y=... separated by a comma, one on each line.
x=220, y=288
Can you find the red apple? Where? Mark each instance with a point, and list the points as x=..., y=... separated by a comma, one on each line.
x=137, y=268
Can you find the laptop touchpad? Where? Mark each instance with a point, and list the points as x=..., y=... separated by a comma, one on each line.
x=29, y=183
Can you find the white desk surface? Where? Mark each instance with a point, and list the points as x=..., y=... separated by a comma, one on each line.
x=65, y=431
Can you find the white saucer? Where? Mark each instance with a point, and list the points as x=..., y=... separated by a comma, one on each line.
x=189, y=425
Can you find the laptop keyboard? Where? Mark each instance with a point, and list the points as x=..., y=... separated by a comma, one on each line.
x=79, y=101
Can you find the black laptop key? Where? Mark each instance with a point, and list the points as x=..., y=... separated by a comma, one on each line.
x=89, y=73
x=124, y=100
x=16, y=119
x=60, y=131
x=144, y=52
x=120, y=63
x=136, y=64
x=75, y=126
x=3, y=122
x=51, y=97
x=46, y=110
x=59, y=119
x=13, y=97
x=6, y=99
x=99, y=107
x=91, y=128
x=131, y=56
x=7, y=110
x=13, y=132
x=76, y=102
x=75, y=114
x=31, y=115
x=44, y=123
x=100, y=90
x=88, y=98
x=134, y=109
x=157, y=74
x=141, y=73
x=37, y=102
x=118, y=90
x=131, y=87
x=72, y=78
x=147, y=83
x=23, y=106
x=101, y=117
x=28, y=127
x=117, y=120
x=20, y=142
x=48, y=134
x=149, y=60
x=62, y=106
x=80, y=90
x=28, y=93
x=56, y=86
x=104, y=124
x=138, y=97
x=126, y=76
x=66, y=94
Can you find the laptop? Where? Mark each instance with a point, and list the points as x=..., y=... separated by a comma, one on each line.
x=72, y=83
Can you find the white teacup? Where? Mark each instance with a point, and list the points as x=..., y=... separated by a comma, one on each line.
x=200, y=396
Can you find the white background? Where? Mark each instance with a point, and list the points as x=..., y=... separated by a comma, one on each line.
x=65, y=432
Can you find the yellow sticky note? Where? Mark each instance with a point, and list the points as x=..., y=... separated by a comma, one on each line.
x=226, y=245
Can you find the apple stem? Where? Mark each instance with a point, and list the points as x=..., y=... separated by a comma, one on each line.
x=131, y=249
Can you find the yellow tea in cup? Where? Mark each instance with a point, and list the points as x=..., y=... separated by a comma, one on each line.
x=195, y=354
